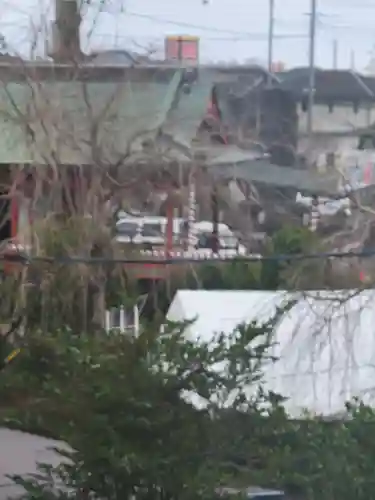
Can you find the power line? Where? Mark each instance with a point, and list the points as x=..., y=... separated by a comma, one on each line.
x=234, y=38
x=212, y=29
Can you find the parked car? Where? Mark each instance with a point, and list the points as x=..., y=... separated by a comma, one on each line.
x=149, y=230
x=227, y=239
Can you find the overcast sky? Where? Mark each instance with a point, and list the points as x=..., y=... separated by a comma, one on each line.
x=229, y=29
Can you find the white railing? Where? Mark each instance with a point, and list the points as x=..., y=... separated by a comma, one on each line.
x=123, y=320
x=200, y=254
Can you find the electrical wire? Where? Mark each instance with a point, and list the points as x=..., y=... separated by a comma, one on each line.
x=26, y=260
x=245, y=34
x=234, y=38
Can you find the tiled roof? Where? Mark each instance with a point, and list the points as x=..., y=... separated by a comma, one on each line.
x=330, y=85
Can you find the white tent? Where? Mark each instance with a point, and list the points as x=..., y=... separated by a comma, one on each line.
x=20, y=453
x=325, y=344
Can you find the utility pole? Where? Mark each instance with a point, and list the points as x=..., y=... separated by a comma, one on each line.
x=67, y=24
x=311, y=70
x=335, y=54
x=271, y=25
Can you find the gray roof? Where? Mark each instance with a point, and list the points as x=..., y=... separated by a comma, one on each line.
x=114, y=57
x=330, y=85
x=261, y=170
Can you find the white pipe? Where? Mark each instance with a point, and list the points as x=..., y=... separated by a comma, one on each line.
x=122, y=319
x=107, y=321
x=136, y=321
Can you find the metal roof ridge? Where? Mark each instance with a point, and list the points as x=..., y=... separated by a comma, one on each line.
x=361, y=83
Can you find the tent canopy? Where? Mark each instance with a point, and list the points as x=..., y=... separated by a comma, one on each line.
x=325, y=345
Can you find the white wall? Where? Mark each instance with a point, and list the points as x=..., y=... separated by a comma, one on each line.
x=342, y=119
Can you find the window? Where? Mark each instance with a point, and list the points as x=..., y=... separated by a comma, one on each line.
x=152, y=229
x=127, y=229
x=203, y=240
x=228, y=241
x=123, y=319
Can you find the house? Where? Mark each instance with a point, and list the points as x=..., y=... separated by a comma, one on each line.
x=344, y=102
x=254, y=108
x=48, y=112
x=323, y=343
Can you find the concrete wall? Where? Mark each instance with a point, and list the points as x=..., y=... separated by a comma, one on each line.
x=327, y=124
x=341, y=119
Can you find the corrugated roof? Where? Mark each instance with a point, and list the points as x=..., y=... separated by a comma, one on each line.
x=13, y=124
x=330, y=85
x=325, y=343
x=263, y=171
x=62, y=116
x=190, y=108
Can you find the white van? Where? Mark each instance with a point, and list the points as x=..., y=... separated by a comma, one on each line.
x=227, y=239
x=151, y=230
x=145, y=230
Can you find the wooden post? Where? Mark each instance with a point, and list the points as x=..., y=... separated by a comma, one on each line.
x=215, y=220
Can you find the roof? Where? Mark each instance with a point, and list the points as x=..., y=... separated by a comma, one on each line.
x=248, y=73
x=48, y=118
x=369, y=81
x=115, y=57
x=60, y=115
x=242, y=164
x=330, y=85
x=189, y=108
x=325, y=343
x=59, y=107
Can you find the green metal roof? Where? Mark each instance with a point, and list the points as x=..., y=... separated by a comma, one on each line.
x=13, y=144
x=78, y=122
x=60, y=114
x=190, y=108
x=81, y=121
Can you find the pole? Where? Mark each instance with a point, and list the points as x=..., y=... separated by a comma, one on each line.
x=311, y=69
x=271, y=25
x=335, y=54
x=215, y=220
x=192, y=212
x=169, y=228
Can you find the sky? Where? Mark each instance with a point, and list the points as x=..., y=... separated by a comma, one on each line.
x=229, y=30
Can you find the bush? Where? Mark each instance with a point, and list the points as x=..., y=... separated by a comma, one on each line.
x=122, y=404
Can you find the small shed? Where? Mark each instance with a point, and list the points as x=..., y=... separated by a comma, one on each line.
x=325, y=344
